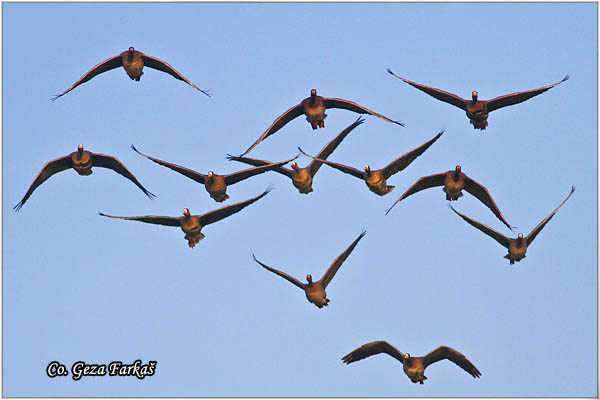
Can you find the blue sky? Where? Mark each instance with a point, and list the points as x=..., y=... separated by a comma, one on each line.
x=77, y=286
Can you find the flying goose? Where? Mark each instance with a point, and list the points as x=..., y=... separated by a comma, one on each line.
x=302, y=177
x=216, y=185
x=193, y=224
x=478, y=110
x=516, y=247
x=133, y=62
x=454, y=181
x=315, y=291
x=314, y=108
x=414, y=367
x=82, y=162
x=376, y=179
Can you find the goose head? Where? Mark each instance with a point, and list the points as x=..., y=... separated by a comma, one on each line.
x=474, y=95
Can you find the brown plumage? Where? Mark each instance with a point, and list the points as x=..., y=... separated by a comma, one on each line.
x=478, y=110
x=454, y=181
x=193, y=224
x=216, y=185
x=414, y=367
x=302, y=178
x=133, y=62
x=82, y=162
x=516, y=246
x=376, y=180
x=315, y=291
x=314, y=108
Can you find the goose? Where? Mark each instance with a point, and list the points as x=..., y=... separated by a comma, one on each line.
x=315, y=291
x=216, y=185
x=82, y=162
x=193, y=224
x=302, y=178
x=314, y=108
x=414, y=367
x=454, y=181
x=478, y=110
x=516, y=246
x=376, y=180
x=133, y=61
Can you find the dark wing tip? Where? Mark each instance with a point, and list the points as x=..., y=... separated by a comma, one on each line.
x=389, y=71
x=18, y=206
x=56, y=96
x=150, y=195
x=104, y=215
x=136, y=150
x=566, y=78
x=363, y=233
x=572, y=190
x=268, y=189
x=347, y=359
x=206, y=92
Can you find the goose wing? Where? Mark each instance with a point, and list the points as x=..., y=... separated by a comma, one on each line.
x=196, y=176
x=247, y=173
x=369, y=349
x=282, y=274
x=160, y=65
x=497, y=236
x=425, y=182
x=344, y=168
x=283, y=119
x=226, y=211
x=151, y=219
x=352, y=106
x=106, y=65
x=337, y=263
x=314, y=165
x=49, y=169
x=514, y=98
x=541, y=225
x=104, y=161
x=482, y=194
x=437, y=93
x=448, y=353
x=404, y=161
x=256, y=162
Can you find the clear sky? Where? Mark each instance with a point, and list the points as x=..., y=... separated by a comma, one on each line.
x=81, y=287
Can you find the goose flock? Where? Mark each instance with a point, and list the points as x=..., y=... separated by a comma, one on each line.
x=314, y=107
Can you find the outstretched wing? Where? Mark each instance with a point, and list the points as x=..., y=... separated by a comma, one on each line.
x=437, y=93
x=283, y=119
x=448, y=353
x=425, y=182
x=282, y=274
x=247, y=173
x=160, y=65
x=497, y=236
x=344, y=168
x=150, y=219
x=106, y=65
x=337, y=263
x=514, y=98
x=102, y=160
x=226, y=211
x=256, y=162
x=405, y=160
x=49, y=169
x=369, y=349
x=198, y=177
x=314, y=165
x=352, y=106
x=541, y=225
x=482, y=194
